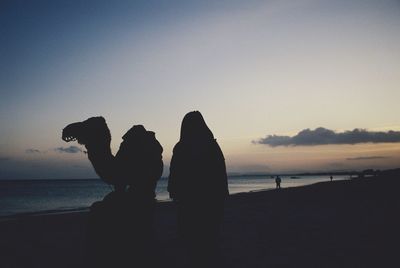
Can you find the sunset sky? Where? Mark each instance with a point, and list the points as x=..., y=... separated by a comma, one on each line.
x=252, y=68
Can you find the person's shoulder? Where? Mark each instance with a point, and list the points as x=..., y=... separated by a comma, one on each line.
x=177, y=147
x=215, y=144
x=215, y=149
x=151, y=139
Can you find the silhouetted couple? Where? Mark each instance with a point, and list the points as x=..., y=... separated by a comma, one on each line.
x=120, y=226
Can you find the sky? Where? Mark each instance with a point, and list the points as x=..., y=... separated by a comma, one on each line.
x=282, y=84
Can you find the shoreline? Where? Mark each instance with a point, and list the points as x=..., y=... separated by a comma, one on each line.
x=23, y=215
x=348, y=223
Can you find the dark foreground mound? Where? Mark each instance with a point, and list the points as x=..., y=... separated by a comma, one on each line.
x=334, y=224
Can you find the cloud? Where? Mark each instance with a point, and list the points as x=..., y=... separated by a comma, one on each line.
x=70, y=149
x=32, y=151
x=323, y=136
x=366, y=158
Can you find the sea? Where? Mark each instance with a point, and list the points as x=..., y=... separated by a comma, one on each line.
x=25, y=197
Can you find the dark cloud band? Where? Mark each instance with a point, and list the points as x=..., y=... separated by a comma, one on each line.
x=365, y=158
x=32, y=151
x=323, y=136
x=70, y=149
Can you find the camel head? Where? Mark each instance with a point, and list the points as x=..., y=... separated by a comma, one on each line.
x=93, y=131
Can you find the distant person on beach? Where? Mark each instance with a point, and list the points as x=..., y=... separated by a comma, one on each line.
x=331, y=178
x=278, y=182
x=120, y=226
x=198, y=185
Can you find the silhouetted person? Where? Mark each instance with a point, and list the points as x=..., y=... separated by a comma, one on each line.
x=139, y=160
x=331, y=177
x=198, y=184
x=278, y=181
x=119, y=233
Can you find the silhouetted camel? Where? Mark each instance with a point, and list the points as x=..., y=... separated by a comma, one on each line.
x=198, y=184
x=120, y=226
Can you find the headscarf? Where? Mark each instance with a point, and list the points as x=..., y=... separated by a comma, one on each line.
x=195, y=128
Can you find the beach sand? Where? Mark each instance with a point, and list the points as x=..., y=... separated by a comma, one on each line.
x=352, y=223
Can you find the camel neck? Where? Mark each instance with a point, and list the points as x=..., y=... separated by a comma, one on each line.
x=99, y=151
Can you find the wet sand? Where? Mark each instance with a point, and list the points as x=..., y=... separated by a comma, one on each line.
x=351, y=223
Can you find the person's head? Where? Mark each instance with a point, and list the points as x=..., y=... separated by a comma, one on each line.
x=139, y=140
x=195, y=128
x=137, y=132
